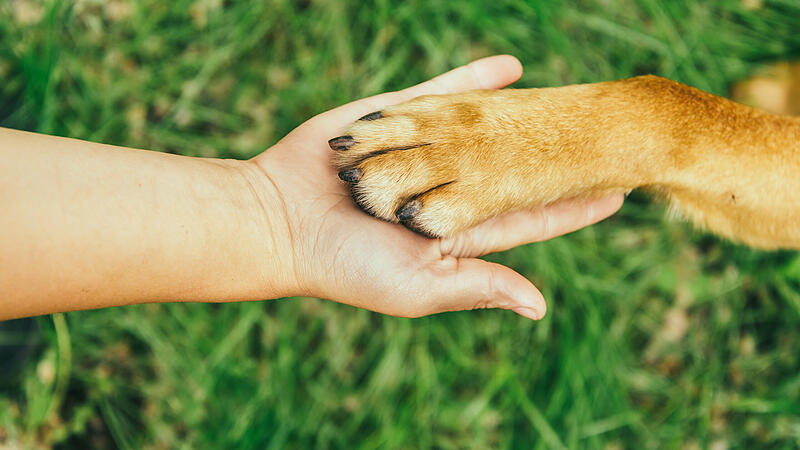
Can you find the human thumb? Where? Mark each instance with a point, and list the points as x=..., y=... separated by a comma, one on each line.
x=471, y=283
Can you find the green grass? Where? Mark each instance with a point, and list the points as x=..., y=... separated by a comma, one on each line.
x=657, y=335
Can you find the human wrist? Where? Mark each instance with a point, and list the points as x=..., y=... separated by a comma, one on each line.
x=266, y=229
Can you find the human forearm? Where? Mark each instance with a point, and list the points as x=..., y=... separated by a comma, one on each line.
x=88, y=225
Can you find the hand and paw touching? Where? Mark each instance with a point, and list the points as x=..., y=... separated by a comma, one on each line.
x=382, y=266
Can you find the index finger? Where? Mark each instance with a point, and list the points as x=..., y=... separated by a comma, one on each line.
x=525, y=226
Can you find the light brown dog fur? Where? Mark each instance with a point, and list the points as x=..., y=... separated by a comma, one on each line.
x=441, y=164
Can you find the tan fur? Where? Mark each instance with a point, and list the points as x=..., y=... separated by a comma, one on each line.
x=465, y=158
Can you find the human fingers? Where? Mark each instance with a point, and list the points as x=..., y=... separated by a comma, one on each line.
x=522, y=227
x=469, y=283
x=492, y=72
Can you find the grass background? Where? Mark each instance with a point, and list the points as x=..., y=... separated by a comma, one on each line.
x=656, y=336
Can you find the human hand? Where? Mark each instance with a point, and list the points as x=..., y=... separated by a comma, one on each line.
x=335, y=251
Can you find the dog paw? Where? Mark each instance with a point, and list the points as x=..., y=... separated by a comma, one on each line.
x=430, y=163
x=442, y=163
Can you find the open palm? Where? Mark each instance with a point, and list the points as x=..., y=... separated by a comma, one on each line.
x=342, y=254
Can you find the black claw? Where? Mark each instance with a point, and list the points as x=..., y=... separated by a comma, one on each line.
x=373, y=116
x=351, y=175
x=409, y=210
x=341, y=142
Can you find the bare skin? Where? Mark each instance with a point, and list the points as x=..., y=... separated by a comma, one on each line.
x=442, y=163
x=88, y=225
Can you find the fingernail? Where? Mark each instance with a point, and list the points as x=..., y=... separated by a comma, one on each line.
x=530, y=313
x=341, y=142
x=409, y=210
x=351, y=175
x=372, y=116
